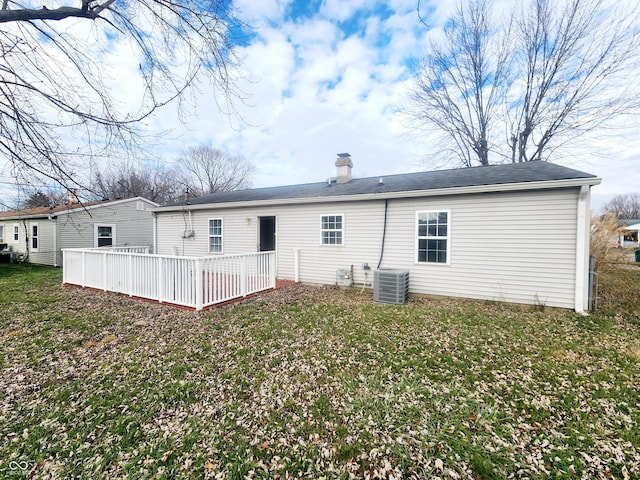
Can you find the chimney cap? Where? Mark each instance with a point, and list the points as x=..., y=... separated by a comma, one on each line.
x=344, y=155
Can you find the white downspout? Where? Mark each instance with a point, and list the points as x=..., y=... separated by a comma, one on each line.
x=582, y=250
x=55, y=240
x=155, y=233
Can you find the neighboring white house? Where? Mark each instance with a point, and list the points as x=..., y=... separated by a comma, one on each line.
x=631, y=234
x=37, y=235
x=515, y=232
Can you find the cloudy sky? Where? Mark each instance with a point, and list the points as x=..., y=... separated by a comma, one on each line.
x=326, y=77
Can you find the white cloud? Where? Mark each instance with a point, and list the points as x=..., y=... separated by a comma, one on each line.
x=315, y=90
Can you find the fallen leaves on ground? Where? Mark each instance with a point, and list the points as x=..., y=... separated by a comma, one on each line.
x=316, y=382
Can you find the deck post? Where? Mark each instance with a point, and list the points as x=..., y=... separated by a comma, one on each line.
x=160, y=282
x=104, y=271
x=273, y=268
x=198, y=274
x=243, y=275
x=84, y=269
x=131, y=275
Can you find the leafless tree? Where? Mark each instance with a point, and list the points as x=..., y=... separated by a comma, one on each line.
x=41, y=198
x=59, y=105
x=125, y=181
x=206, y=170
x=460, y=82
x=573, y=59
x=625, y=206
x=566, y=70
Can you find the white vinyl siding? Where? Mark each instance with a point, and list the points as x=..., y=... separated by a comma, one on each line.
x=514, y=246
x=215, y=235
x=332, y=229
x=432, y=236
x=76, y=229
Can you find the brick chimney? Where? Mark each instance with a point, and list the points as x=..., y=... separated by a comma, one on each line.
x=343, y=168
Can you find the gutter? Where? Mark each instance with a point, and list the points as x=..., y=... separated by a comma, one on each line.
x=505, y=187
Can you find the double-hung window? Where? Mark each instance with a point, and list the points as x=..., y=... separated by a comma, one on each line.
x=215, y=235
x=16, y=233
x=332, y=230
x=433, y=236
x=104, y=235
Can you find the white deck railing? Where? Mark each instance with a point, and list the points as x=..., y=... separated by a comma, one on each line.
x=195, y=282
x=125, y=248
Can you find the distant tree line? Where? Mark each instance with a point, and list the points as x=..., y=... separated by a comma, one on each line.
x=198, y=171
x=625, y=206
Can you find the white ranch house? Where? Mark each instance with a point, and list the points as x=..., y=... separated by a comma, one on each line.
x=514, y=233
x=38, y=235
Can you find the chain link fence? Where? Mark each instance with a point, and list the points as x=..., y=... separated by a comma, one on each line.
x=617, y=287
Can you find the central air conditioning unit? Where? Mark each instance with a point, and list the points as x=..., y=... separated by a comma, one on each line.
x=390, y=285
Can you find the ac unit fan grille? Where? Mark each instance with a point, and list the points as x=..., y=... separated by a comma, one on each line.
x=391, y=285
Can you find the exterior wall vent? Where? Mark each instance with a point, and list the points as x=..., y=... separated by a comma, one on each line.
x=390, y=285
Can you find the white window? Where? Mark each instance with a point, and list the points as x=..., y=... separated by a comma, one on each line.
x=16, y=233
x=34, y=237
x=215, y=235
x=332, y=229
x=104, y=235
x=433, y=241
x=1, y=234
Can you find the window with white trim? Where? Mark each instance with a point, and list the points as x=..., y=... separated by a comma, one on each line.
x=34, y=237
x=104, y=235
x=215, y=235
x=16, y=233
x=1, y=234
x=433, y=241
x=332, y=229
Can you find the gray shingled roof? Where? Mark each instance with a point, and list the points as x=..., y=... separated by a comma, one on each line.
x=537, y=171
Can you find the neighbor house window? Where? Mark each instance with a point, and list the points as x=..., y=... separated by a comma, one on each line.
x=433, y=236
x=332, y=229
x=1, y=234
x=34, y=237
x=16, y=233
x=215, y=235
x=104, y=235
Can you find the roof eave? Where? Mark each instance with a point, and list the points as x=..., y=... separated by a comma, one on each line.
x=78, y=208
x=542, y=185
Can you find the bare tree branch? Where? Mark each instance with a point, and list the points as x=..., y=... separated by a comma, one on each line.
x=550, y=74
x=459, y=84
x=206, y=170
x=60, y=13
x=58, y=109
